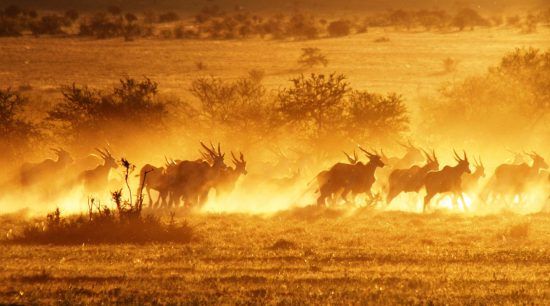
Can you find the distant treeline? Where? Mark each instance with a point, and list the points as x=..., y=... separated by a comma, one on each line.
x=213, y=22
x=191, y=5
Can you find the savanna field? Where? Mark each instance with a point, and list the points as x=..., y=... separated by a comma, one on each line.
x=268, y=242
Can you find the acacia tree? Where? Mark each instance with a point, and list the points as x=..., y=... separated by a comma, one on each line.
x=374, y=116
x=92, y=114
x=316, y=102
x=241, y=105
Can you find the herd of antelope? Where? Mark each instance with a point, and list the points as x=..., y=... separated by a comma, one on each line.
x=189, y=183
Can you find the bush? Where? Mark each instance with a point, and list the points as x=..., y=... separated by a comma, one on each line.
x=468, y=18
x=312, y=57
x=168, y=17
x=17, y=133
x=48, y=25
x=104, y=226
x=10, y=27
x=314, y=102
x=88, y=113
x=371, y=116
x=449, y=65
x=339, y=28
x=240, y=105
x=516, y=91
x=401, y=19
x=302, y=27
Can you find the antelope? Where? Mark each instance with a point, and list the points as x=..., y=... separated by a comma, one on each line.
x=342, y=179
x=448, y=179
x=324, y=176
x=511, y=179
x=97, y=179
x=194, y=179
x=470, y=181
x=229, y=176
x=47, y=170
x=151, y=177
x=411, y=179
x=412, y=156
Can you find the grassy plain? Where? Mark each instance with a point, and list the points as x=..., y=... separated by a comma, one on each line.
x=296, y=257
x=409, y=63
x=301, y=255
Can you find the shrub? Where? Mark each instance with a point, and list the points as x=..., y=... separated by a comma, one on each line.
x=339, y=28
x=468, y=18
x=432, y=19
x=239, y=105
x=10, y=27
x=91, y=113
x=72, y=15
x=12, y=11
x=313, y=102
x=516, y=91
x=17, y=133
x=371, y=115
x=401, y=19
x=168, y=17
x=48, y=25
x=382, y=39
x=312, y=57
x=449, y=65
x=104, y=226
x=302, y=27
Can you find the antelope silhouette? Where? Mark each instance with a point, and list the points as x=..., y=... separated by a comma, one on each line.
x=194, y=179
x=470, y=181
x=342, y=179
x=154, y=178
x=512, y=180
x=47, y=171
x=446, y=180
x=96, y=180
x=229, y=176
x=411, y=179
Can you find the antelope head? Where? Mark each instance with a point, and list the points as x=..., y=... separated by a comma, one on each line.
x=62, y=155
x=538, y=161
x=215, y=157
x=108, y=159
x=463, y=163
x=374, y=158
x=414, y=154
x=240, y=163
x=432, y=162
x=480, y=168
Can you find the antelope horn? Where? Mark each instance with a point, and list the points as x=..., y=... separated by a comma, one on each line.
x=434, y=156
x=101, y=153
x=456, y=155
x=465, y=156
x=235, y=160
x=427, y=154
x=242, y=157
x=206, y=148
x=350, y=159
x=366, y=152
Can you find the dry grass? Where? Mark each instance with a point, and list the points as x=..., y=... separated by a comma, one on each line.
x=45, y=63
x=365, y=258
